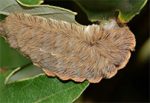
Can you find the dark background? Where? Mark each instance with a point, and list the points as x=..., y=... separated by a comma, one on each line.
x=131, y=84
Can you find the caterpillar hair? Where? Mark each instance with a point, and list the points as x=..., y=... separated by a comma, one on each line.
x=70, y=51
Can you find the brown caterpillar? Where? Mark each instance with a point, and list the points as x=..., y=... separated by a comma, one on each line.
x=67, y=50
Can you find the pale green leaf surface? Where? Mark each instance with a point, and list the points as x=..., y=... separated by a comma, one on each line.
x=23, y=73
x=11, y=6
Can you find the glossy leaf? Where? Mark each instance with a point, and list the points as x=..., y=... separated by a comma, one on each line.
x=30, y=2
x=40, y=90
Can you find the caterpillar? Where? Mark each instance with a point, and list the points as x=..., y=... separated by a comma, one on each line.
x=68, y=50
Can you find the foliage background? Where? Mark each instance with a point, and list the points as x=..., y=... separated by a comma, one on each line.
x=131, y=84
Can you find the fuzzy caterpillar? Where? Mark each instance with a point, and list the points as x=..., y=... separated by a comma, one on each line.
x=67, y=50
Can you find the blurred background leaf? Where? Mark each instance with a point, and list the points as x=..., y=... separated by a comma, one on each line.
x=104, y=9
x=144, y=53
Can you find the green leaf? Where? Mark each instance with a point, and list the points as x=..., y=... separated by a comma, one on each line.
x=10, y=58
x=11, y=6
x=105, y=9
x=29, y=89
x=23, y=73
x=30, y=2
x=40, y=90
x=2, y=17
